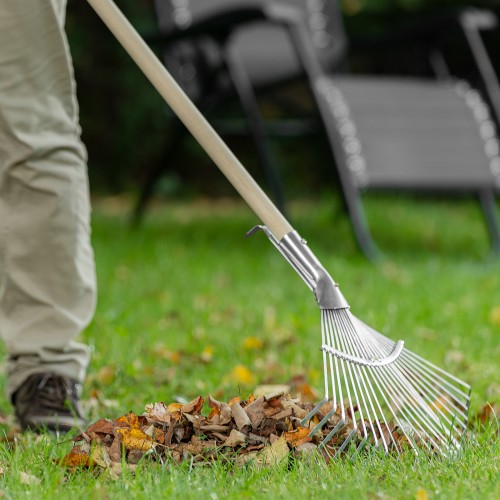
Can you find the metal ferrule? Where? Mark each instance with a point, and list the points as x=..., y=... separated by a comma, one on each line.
x=308, y=267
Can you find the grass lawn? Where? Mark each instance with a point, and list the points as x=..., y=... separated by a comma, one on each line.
x=189, y=307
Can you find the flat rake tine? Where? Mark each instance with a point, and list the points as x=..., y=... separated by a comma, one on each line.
x=332, y=433
x=323, y=421
x=313, y=412
x=345, y=443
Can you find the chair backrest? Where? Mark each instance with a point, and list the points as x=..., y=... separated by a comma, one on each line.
x=414, y=134
x=265, y=49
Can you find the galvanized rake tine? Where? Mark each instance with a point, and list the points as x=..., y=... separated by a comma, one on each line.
x=353, y=343
x=390, y=377
x=343, y=327
x=423, y=379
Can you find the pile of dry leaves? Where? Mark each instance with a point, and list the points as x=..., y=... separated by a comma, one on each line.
x=263, y=430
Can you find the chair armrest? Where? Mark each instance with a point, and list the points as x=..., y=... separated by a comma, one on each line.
x=479, y=19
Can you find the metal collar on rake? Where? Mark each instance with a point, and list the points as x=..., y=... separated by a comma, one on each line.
x=325, y=289
x=297, y=253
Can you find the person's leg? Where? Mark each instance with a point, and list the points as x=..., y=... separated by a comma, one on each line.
x=47, y=276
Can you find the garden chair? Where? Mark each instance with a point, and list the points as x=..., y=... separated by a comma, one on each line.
x=401, y=133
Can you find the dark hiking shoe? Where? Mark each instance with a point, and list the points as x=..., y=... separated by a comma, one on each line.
x=48, y=401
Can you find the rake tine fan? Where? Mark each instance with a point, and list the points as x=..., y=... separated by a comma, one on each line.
x=376, y=392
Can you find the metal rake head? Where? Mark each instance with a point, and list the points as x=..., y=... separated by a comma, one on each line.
x=383, y=394
x=377, y=392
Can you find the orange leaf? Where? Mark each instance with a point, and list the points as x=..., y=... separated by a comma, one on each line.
x=75, y=458
x=193, y=406
x=298, y=437
x=135, y=439
x=130, y=419
x=236, y=399
x=174, y=407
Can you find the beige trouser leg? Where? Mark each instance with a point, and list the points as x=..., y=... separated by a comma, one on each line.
x=47, y=278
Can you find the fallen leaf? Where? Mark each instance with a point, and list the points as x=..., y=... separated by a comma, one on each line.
x=274, y=454
x=240, y=417
x=255, y=412
x=115, y=450
x=99, y=455
x=264, y=390
x=241, y=375
x=75, y=458
x=252, y=343
x=159, y=412
x=236, y=438
x=305, y=448
x=297, y=437
x=28, y=479
x=135, y=439
x=193, y=406
x=421, y=494
x=488, y=413
x=102, y=426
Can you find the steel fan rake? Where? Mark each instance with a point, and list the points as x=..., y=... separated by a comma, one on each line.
x=377, y=392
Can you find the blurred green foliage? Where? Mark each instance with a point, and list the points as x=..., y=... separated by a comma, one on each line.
x=124, y=121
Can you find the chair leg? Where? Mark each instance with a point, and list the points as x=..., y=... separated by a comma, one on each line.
x=157, y=171
x=362, y=234
x=488, y=203
x=250, y=106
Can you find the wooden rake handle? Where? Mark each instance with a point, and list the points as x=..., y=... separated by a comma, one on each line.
x=187, y=112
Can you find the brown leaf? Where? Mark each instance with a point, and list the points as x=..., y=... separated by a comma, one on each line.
x=488, y=413
x=274, y=454
x=240, y=417
x=255, y=412
x=115, y=450
x=288, y=412
x=225, y=415
x=305, y=448
x=297, y=437
x=236, y=438
x=214, y=428
x=99, y=455
x=242, y=460
x=298, y=411
x=193, y=406
x=159, y=412
x=156, y=434
x=102, y=426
